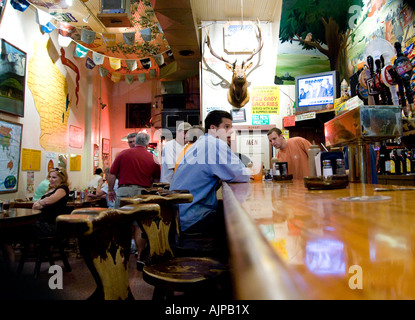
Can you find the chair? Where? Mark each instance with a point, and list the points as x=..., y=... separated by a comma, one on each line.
x=43, y=246
x=44, y=251
x=163, y=269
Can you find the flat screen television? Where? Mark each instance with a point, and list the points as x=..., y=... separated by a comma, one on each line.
x=314, y=92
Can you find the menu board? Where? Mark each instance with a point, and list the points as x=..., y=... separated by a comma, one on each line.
x=31, y=159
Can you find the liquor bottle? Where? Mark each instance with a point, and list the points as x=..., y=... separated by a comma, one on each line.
x=413, y=161
x=392, y=163
x=382, y=159
x=405, y=162
x=398, y=162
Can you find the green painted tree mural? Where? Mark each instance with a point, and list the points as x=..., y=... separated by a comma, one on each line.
x=321, y=24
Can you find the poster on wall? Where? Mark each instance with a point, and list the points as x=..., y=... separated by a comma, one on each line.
x=76, y=137
x=105, y=146
x=265, y=100
x=31, y=159
x=51, y=161
x=10, y=141
x=75, y=162
x=12, y=78
x=2, y=7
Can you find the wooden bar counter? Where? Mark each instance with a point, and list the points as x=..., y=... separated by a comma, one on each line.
x=288, y=242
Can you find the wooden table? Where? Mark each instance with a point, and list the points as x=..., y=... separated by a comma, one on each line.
x=18, y=216
x=75, y=204
x=291, y=243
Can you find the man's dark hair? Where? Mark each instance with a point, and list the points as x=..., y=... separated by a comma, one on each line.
x=276, y=130
x=98, y=171
x=215, y=117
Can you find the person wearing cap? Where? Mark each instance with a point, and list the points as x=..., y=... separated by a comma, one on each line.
x=170, y=152
x=207, y=162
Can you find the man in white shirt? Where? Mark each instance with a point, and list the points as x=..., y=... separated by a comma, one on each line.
x=170, y=152
x=93, y=183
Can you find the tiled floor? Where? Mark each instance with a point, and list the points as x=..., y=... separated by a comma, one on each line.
x=77, y=284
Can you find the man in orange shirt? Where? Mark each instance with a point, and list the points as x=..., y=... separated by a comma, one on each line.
x=294, y=151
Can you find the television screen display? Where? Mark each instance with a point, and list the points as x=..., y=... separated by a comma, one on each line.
x=313, y=92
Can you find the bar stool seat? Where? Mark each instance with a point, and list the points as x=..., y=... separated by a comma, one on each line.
x=164, y=270
x=104, y=238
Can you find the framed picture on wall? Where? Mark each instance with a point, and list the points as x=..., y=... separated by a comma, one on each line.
x=12, y=78
x=2, y=7
x=105, y=146
x=137, y=115
x=11, y=141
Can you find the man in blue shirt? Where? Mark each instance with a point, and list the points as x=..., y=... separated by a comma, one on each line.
x=205, y=164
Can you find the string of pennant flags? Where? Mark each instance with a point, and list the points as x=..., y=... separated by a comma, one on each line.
x=88, y=37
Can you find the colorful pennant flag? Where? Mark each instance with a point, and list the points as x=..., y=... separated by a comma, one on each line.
x=146, y=63
x=42, y=17
x=87, y=36
x=109, y=39
x=129, y=78
x=141, y=77
x=129, y=38
x=64, y=41
x=131, y=64
x=153, y=73
x=48, y=28
x=159, y=59
x=65, y=29
x=146, y=34
x=102, y=71
x=20, y=5
x=89, y=63
x=115, y=63
x=116, y=77
x=97, y=58
x=81, y=51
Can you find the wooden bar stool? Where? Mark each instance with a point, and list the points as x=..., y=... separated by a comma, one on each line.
x=163, y=269
x=104, y=237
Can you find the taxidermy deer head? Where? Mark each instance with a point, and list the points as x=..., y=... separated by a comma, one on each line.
x=238, y=94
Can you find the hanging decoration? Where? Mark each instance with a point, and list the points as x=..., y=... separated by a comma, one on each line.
x=108, y=50
x=72, y=66
x=20, y=5
x=89, y=64
x=87, y=36
x=131, y=64
x=97, y=58
x=129, y=78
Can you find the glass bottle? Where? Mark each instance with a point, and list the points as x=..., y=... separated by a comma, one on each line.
x=327, y=169
x=340, y=166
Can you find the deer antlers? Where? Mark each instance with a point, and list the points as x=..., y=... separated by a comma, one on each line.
x=238, y=94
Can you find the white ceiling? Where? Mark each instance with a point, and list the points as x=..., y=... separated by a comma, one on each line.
x=181, y=19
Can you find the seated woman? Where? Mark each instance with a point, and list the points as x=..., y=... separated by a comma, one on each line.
x=53, y=203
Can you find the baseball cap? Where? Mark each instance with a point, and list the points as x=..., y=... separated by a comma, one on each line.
x=184, y=126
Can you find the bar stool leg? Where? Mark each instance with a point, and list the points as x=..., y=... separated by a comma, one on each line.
x=106, y=253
